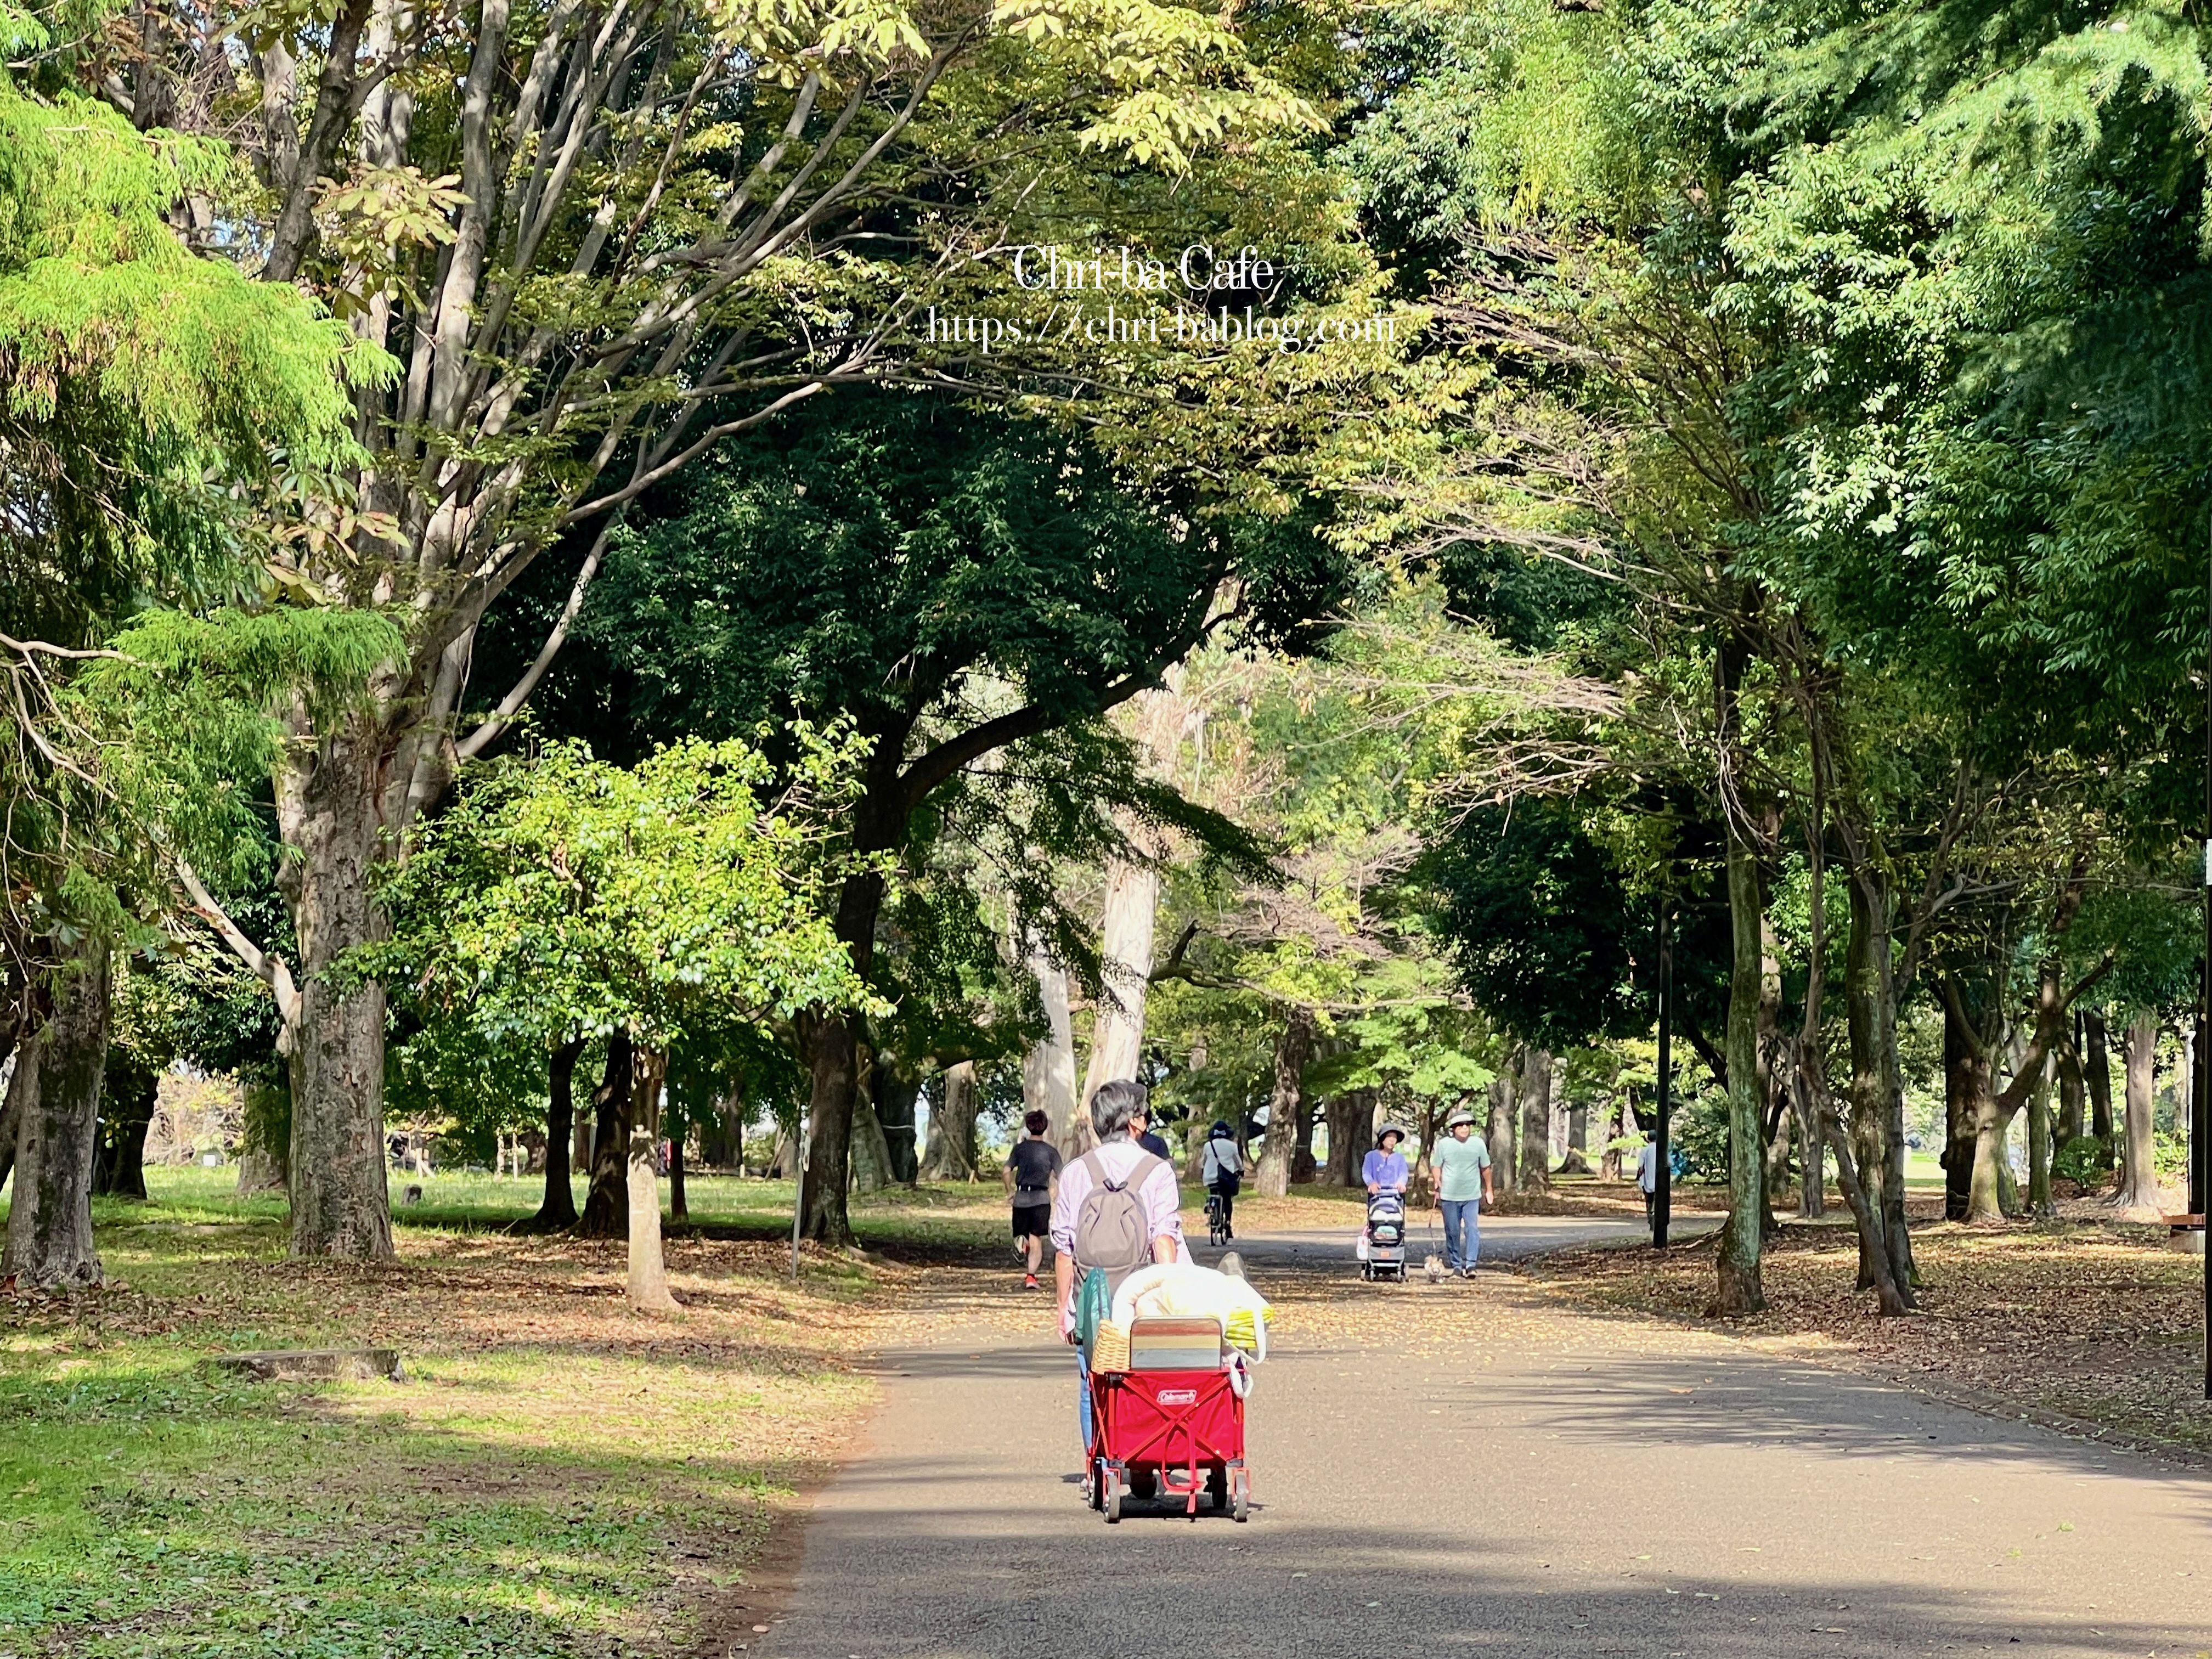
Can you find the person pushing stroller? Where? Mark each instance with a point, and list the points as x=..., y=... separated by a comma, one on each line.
x=1384, y=1168
x=1382, y=1238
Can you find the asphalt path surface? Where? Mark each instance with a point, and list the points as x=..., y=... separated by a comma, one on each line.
x=1484, y=1467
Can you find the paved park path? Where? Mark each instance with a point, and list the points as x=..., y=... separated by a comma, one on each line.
x=1485, y=1468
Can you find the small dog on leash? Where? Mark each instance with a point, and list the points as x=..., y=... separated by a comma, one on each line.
x=1435, y=1268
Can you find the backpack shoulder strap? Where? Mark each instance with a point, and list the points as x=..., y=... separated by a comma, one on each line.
x=1138, y=1175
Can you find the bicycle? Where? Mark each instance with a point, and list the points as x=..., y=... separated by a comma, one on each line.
x=1216, y=1224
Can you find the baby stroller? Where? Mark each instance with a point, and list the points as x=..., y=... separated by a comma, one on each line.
x=1385, y=1236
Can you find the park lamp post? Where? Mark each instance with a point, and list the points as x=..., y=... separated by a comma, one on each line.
x=1662, y=1173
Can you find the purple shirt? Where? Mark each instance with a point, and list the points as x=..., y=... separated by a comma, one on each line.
x=1385, y=1169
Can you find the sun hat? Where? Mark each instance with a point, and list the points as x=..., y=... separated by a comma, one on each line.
x=1460, y=1116
x=1386, y=1130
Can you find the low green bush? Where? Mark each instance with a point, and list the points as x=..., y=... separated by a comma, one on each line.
x=2083, y=1161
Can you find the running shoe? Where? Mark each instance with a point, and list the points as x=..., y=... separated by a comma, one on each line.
x=1029, y=1282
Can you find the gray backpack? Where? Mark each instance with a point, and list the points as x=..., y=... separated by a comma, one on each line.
x=1112, y=1234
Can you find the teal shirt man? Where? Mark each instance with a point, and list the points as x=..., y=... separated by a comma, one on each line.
x=1462, y=1161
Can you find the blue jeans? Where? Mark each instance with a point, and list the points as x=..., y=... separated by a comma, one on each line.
x=1462, y=1230
x=1083, y=1397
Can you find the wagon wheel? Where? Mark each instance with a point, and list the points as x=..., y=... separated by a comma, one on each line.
x=1142, y=1483
x=1216, y=1486
x=1240, y=1497
x=1113, y=1499
x=1094, y=1489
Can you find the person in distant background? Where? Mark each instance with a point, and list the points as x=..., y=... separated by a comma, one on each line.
x=1647, y=1177
x=1463, y=1182
x=1032, y=1177
x=1221, y=1167
x=1149, y=1137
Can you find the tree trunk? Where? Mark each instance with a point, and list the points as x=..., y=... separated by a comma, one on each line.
x=951, y=1152
x=870, y=1157
x=1811, y=1155
x=330, y=816
x=1965, y=1082
x=1132, y=901
x=722, y=1131
x=2072, y=1088
x=2008, y=1182
x=893, y=1096
x=832, y=1047
x=1862, y=1021
x=2039, y=1145
x=130, y=1094
x=679, y=1127
x=648, y=1268
x=1293, y=1048
x=833, y=1057
x=558, y=1209
x=1608, y=1162
x=1304, y=1171
x=1781, y=1141
x=1504, y=1129
x=57, y=1088
x=1158, y=719
x=1577, y=1160
x=2137, y=1199
x=1986, y=1192
x=1774, y=1105
x=1534, y=1165
x=606, y=1202
x=1048, y=1068
x=1738, y=1288
x=11, y=1109
x=1877, y=1094
x=2097, y=1065
x=1817, y=1105
x=268, y=1142
x=1350, y=1126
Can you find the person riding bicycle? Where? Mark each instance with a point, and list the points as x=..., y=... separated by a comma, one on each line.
x=1222, y=1168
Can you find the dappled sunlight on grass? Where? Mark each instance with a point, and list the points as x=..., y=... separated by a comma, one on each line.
x=557, y=1475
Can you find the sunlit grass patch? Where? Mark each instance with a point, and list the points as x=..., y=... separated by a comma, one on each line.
x=557, y=1475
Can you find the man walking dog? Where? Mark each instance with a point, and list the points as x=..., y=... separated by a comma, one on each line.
x=1461, y=1160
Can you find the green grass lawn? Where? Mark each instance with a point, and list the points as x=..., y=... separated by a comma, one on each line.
x=556, y=1477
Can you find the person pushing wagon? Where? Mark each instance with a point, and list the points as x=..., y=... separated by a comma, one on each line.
x=1116, y=1208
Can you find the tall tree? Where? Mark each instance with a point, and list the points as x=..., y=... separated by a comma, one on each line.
x=657, y=907
x=959, y=585
x=664, y=223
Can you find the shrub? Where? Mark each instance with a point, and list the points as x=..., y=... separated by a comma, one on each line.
x=2170, y=1157
x=2083, y=1161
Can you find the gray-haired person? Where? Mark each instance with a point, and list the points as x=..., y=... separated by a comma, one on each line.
x=1120, y=1163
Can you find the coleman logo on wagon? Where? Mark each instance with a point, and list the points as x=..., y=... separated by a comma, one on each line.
x=1177, y=1396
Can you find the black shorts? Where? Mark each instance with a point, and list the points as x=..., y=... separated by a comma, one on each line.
x=1032, y=1221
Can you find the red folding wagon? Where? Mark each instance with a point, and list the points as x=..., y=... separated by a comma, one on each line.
x=1168, y=1433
